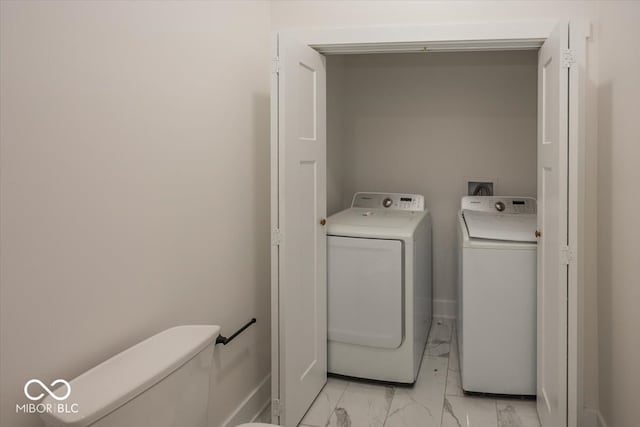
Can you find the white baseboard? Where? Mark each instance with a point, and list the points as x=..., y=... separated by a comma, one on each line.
x=252, y=405
x=592, y=418
x=445, y=308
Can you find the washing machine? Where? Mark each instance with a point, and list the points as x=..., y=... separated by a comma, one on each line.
x=379, y=287
x=497, y=295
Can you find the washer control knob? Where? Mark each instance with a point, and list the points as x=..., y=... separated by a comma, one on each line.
x=387, y=202
x=500, y=206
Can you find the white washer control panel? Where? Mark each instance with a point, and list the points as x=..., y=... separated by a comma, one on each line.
x=396, y=201
x=505, y=205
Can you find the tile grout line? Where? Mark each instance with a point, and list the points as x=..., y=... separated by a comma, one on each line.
x=446, y=381
x=386, y=415
x=326, y=423
x=422, y=361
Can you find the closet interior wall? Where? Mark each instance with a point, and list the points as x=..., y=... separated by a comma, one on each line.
x=425, y=123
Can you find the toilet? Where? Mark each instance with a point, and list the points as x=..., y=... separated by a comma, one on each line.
x=162, y=381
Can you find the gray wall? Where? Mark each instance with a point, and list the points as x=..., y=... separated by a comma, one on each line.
x=424, y=123
x=336, y=159
x=135, y=186
x=618, y=208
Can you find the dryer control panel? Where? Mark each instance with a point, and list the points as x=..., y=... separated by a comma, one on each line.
x=506, y=205
x=395, y=201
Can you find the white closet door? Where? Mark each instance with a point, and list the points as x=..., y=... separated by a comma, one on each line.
x=365, y=291
x=300, y=284
x=553, y=104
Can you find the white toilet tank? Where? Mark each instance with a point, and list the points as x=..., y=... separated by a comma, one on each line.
x=162, y=381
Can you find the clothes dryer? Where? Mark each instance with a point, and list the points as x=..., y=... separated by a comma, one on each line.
x=379, y=287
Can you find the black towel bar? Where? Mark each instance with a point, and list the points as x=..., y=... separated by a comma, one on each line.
x=224, y=340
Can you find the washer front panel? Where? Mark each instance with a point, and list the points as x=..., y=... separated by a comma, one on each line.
x=365, y=291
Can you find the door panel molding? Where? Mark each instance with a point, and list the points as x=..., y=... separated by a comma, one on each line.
x=299, y=290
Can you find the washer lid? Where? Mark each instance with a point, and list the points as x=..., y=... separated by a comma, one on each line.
x=493, y=226
x=379, y=223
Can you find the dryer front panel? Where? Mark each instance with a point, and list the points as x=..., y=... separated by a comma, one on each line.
x=365, y=291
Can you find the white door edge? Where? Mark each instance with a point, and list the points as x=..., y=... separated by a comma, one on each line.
x=275, y=255
x=579, y=33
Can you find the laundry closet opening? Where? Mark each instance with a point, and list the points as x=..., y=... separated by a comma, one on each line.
x=427, y=123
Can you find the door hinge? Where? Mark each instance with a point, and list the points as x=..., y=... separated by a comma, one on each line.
x=568, y=58
x=276, y=237
x=276, y=408
x=567, y=255
x=275, y=65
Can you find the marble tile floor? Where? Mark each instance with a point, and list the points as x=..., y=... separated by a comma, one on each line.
x=436, y=399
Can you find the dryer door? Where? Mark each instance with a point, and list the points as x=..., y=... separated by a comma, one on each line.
x=365, y=291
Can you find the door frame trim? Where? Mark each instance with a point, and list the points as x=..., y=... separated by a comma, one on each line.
x=579, y=33
x=274, y=232
x=506, y=35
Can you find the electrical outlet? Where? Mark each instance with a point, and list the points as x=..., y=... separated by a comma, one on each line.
x=480, y=188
